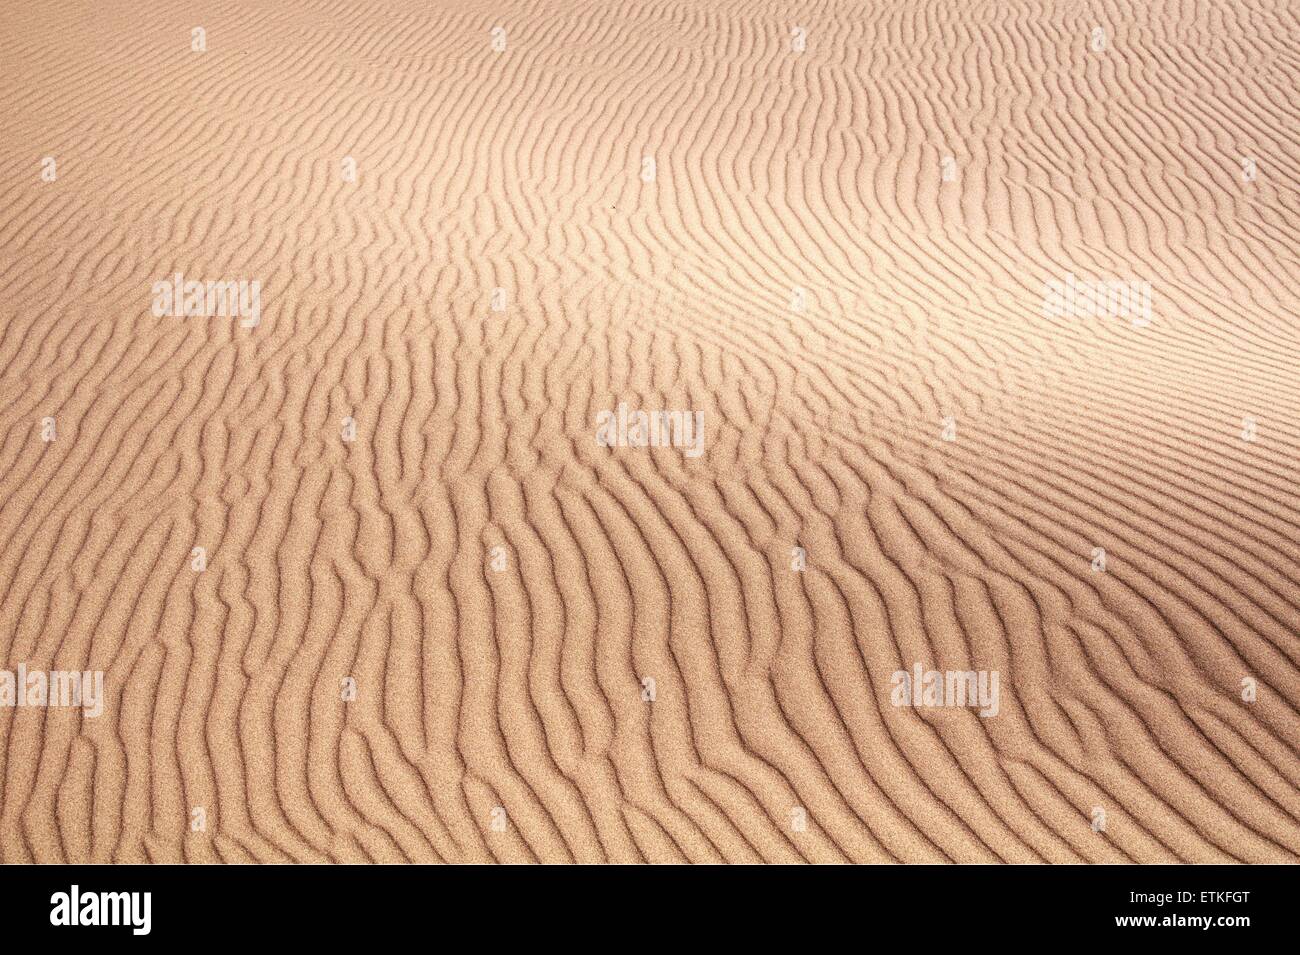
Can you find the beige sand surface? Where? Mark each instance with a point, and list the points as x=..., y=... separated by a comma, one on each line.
x=840, y=256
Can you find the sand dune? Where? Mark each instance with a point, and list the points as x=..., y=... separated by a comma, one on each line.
x=984, y=325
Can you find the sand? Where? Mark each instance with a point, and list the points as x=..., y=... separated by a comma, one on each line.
x=989, y=322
